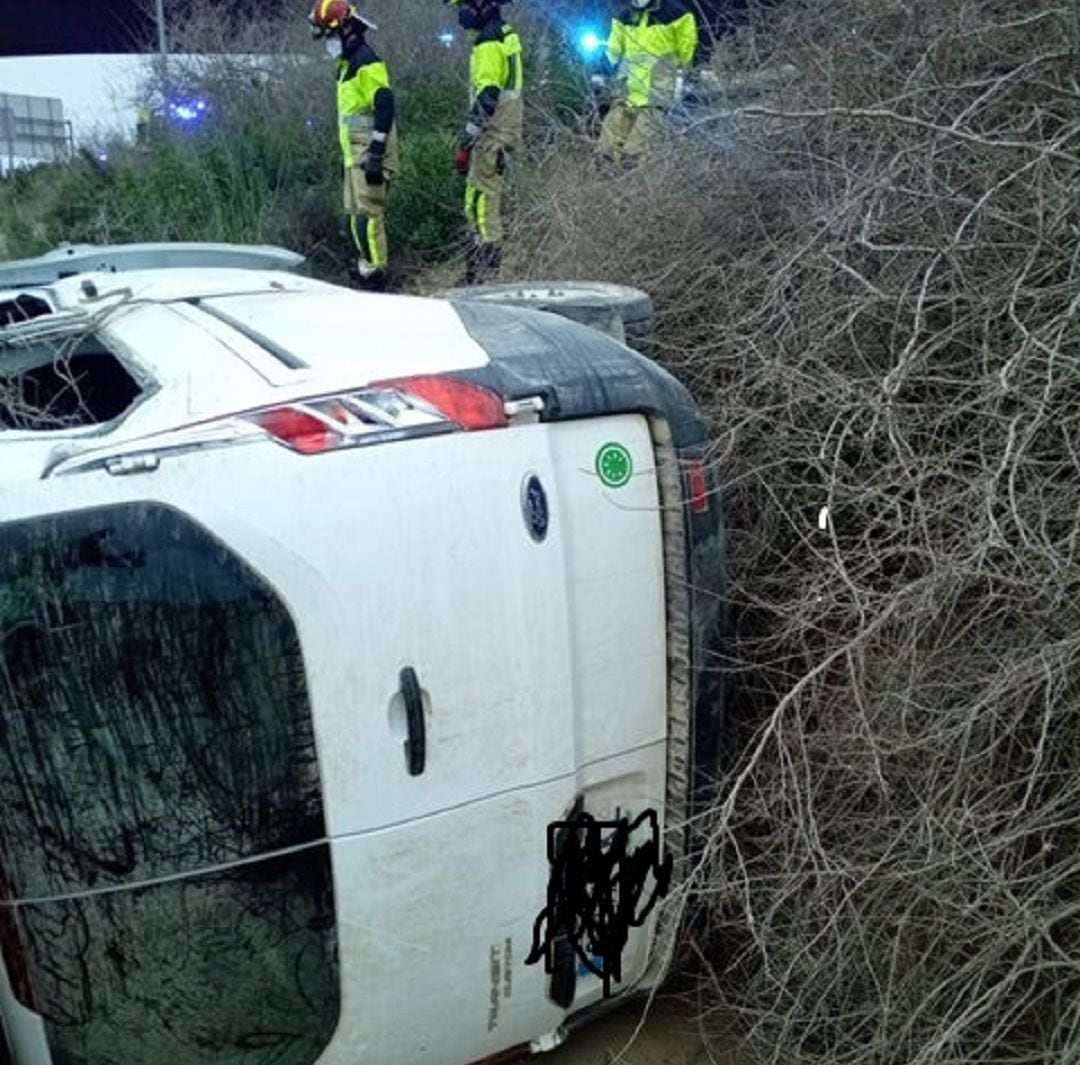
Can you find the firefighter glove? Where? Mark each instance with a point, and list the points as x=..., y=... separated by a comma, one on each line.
x=461, y=159
x=373, y=163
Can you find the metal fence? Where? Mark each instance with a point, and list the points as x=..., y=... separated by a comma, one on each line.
x=32, y=130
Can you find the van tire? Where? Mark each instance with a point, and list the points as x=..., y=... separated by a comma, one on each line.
x=622, y=312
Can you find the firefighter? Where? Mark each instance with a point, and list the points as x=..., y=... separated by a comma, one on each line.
x=367, y=131
x=650, y=48
x=492, y=130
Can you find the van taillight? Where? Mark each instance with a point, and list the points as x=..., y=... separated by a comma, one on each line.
x=467, y=405
x=296, y=427
x=699, y=486
x=13, y=950
x=402, y=407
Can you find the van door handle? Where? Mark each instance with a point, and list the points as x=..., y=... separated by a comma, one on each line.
x=415, y=741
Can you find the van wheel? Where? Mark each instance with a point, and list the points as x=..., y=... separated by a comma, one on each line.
x=620, y=311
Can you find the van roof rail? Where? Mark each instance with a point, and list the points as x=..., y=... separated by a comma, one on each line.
x=68, y=260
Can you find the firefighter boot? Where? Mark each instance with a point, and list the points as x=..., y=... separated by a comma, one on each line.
x=482, y=262
x=367, y=277
x=472, y=263
x=490, y=261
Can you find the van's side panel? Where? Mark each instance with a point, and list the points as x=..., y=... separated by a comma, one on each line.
x=615, y=583
x=435, y=919
x=446, y=557
x=422, y=558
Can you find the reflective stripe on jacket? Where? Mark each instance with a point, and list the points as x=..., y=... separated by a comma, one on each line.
x=495, y=63
x=358, y=80
x=648, y=48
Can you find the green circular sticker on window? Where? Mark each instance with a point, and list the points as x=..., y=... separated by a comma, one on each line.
x=614, y=465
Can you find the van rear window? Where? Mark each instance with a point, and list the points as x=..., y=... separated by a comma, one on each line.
x=162, y=847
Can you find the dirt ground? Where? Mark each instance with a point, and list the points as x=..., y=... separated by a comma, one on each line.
x=670, y=1035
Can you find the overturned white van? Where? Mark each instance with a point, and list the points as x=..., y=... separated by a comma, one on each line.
x=359, y=667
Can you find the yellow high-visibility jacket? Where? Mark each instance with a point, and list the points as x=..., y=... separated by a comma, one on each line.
x=359, y=78
x=649, y=47
x=496, y=81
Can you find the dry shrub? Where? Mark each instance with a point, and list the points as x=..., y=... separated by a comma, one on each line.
x=872, y=280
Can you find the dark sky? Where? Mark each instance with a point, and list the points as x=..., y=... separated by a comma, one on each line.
x=61, y=27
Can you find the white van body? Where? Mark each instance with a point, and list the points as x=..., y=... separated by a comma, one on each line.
x=307, y=648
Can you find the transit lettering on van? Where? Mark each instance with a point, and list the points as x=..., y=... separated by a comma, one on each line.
x=496, y=983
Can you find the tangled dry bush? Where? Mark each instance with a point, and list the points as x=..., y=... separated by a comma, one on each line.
x=873, y=280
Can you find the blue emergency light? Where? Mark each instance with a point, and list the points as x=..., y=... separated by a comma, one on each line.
x=589, y=41
x=188, y=111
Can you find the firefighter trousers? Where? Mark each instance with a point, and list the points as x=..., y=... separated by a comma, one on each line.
x=365, y=206
x=484, y=189
x=628, y=132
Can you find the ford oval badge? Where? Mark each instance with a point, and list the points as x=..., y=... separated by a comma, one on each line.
x=534, y=507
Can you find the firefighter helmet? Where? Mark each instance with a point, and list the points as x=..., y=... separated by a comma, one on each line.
x=330, y=16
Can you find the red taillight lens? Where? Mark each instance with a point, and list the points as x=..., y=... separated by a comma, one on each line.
x=699, y=486
x=403, y=405
x=297, y=428
x=465, y=404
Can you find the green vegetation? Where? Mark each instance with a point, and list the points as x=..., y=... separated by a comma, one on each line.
x=247, y=177
x=425, y=211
